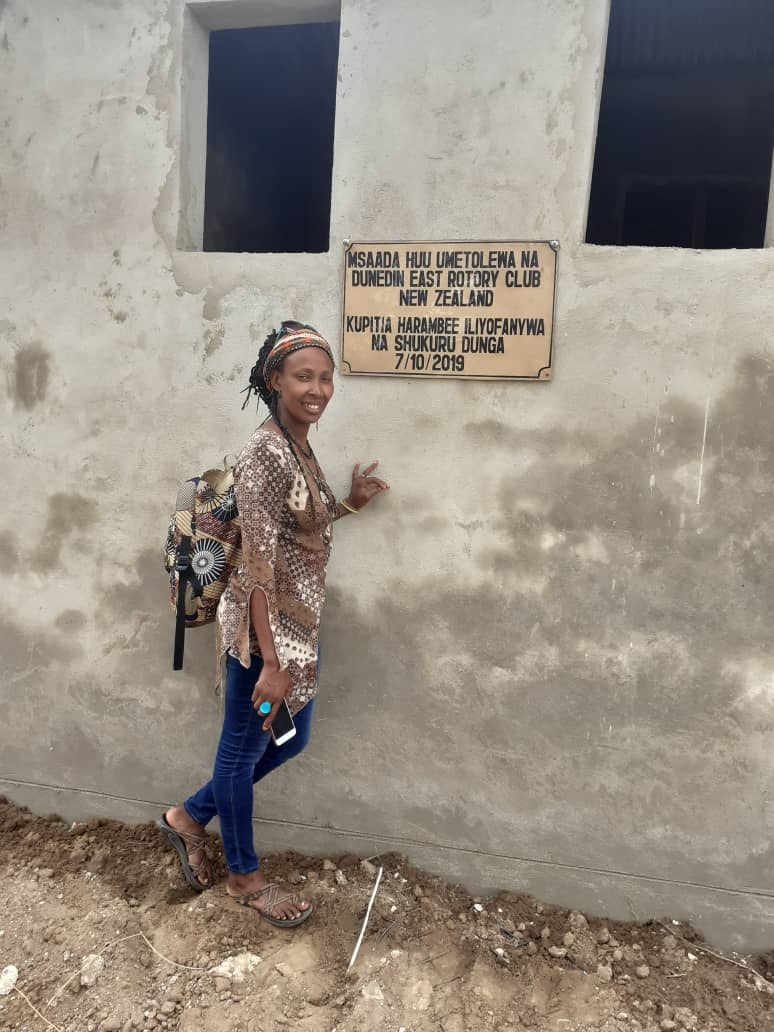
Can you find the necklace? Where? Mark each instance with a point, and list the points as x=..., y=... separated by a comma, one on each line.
x=326, y=496
x=292, y=441
x=304, y=451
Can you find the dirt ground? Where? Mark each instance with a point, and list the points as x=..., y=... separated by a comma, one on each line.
x=105, y=935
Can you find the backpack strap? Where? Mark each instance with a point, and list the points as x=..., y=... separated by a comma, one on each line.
x=184, y=574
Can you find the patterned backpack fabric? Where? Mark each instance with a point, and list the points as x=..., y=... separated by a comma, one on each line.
x=204, y=546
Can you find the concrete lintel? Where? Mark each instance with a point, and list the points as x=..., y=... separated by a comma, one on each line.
x=246, y=14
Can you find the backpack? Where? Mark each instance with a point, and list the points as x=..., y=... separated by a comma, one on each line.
x=204, y=546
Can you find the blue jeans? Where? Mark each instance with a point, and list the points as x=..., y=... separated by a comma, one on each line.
x=246, y=754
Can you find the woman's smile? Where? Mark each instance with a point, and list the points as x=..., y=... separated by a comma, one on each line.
x=304, y=386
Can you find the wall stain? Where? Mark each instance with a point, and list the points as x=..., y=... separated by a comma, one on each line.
x=30, y=375
x=70, y=620
x=27, y=650
x=36, y=663
x=133, y=639
x=111, y=294
x=10, y=552
x=76, y=719
x=68, y=514
x=213, y=307
x=601, y=667
x=138, y=628
x=213, y=340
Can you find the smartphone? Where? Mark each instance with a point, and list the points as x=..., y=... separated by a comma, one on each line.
x=282, y=727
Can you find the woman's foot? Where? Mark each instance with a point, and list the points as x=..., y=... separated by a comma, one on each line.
x=284, y=910
x=188, y=839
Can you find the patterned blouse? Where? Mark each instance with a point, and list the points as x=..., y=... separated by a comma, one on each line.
x=286, y=541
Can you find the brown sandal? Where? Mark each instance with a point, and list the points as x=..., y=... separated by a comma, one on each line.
x=272, y=891
x=182, y=842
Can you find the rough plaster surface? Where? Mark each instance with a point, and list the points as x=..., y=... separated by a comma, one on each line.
x=547, y=651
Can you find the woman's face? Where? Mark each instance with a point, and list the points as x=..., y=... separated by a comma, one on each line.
x=305, y=385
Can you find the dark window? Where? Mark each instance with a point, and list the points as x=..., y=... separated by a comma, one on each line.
x=272, y=98
x=686, y=124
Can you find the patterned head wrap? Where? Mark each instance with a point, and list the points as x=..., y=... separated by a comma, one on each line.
x=290, y=339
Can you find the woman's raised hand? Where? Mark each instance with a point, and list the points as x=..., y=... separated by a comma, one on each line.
x=364, y=486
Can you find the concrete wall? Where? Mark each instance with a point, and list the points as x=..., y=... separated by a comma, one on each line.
x=548, y=659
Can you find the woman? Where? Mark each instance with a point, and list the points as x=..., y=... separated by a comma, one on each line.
x=269, y=614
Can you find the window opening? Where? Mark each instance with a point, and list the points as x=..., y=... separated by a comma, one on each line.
x=270, y=121
x=686, y=125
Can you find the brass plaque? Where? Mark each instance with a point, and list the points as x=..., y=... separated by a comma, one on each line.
x=483, y=310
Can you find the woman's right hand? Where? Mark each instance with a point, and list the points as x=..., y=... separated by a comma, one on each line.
x=365, y=486
x=272, y=686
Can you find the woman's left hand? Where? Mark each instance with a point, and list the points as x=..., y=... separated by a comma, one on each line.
x=364, y=486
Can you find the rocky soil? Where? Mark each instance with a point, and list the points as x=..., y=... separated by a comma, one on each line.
x=98, y=933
